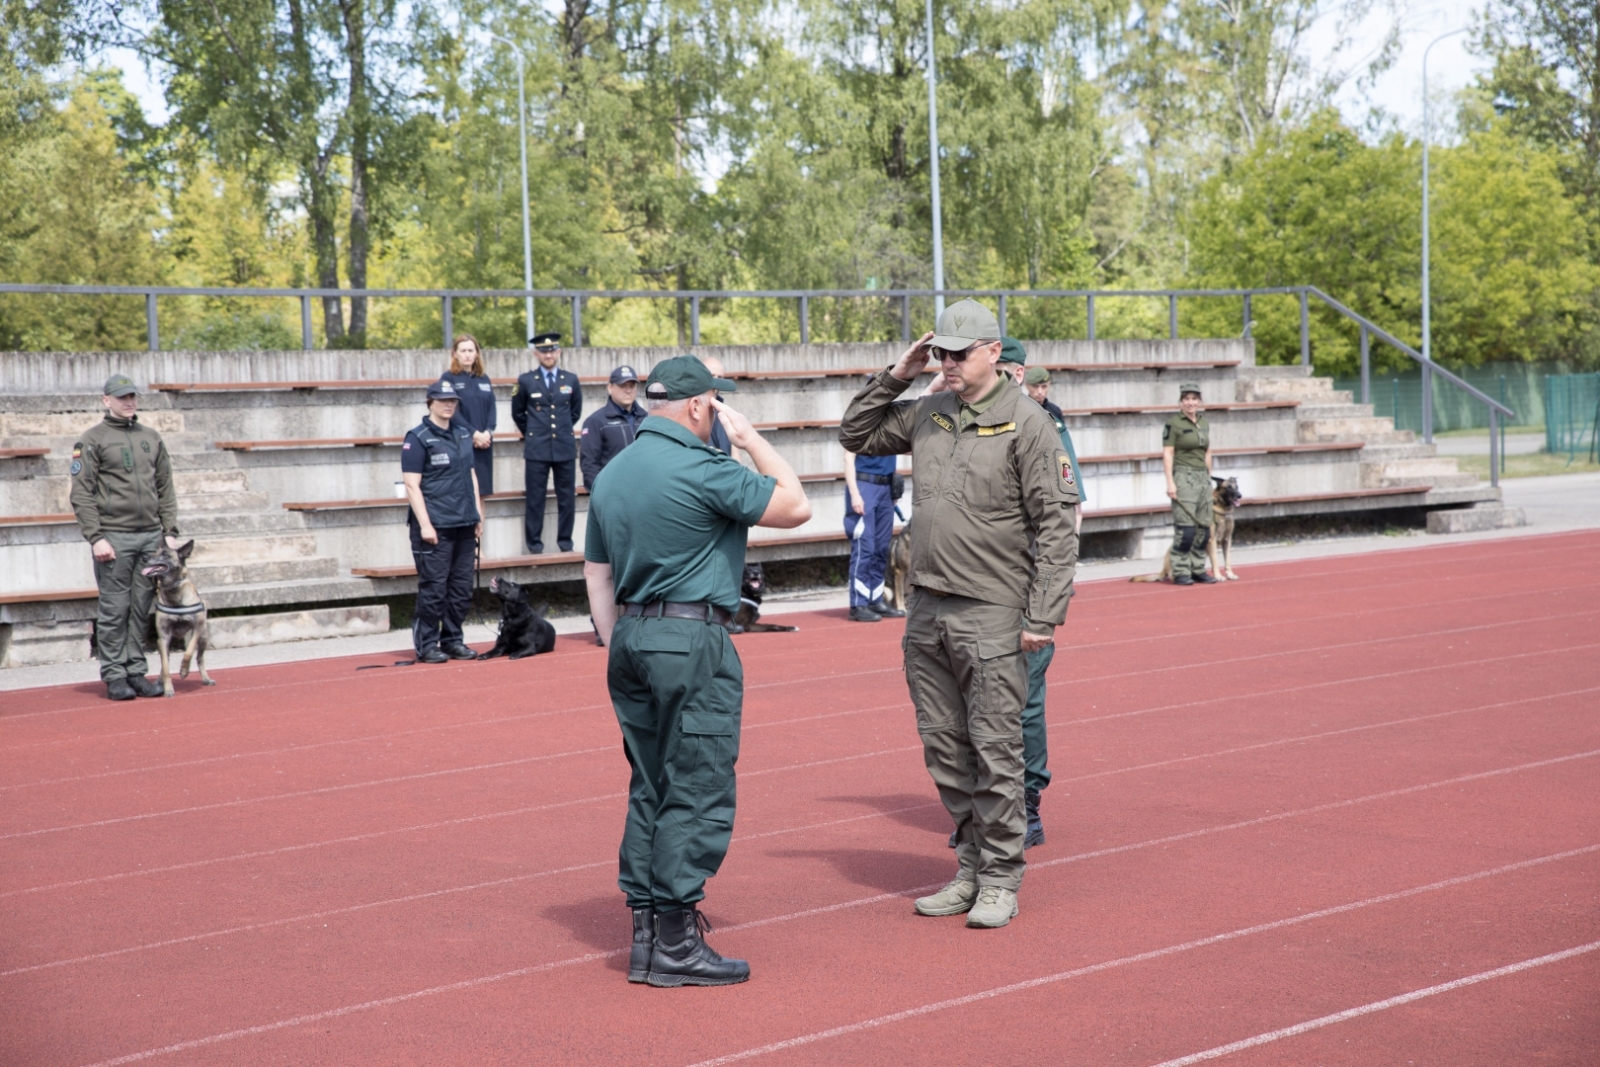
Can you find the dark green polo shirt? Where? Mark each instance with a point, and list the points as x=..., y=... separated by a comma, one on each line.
x=1188, y=440
x=671, y=516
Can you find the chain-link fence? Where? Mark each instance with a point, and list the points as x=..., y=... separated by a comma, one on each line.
x=1572, y=414
x=1519, y=386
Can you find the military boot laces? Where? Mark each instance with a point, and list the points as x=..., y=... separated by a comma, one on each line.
x=994, y=907
x=644, y=942
x=682, y=957
x=1030, y=800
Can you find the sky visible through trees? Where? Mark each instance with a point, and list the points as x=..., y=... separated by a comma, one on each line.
x=746, y=144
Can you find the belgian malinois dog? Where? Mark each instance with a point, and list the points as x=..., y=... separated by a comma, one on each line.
x=899, y=567
x=180, y=613
x=1225, y=497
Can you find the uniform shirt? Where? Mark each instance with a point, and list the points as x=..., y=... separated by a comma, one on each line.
x=444, y=459
x=671, y=516
x=122, y=480
x=1072, y=453
x=1188, y=441
x=719, y=435
x=476, y=411
x=547, y=411
x=606, y=433
x=988, y=492
x=882, y=466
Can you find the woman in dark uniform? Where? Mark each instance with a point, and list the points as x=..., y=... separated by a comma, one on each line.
x=445, y=523
x=477, y=407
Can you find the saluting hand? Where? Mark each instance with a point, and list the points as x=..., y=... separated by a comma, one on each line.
x=740, y=432
x=913, y=360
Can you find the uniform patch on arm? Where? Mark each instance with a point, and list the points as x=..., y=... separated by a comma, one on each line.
x=1166, y=433
x=77, y=458
x=1066, y=471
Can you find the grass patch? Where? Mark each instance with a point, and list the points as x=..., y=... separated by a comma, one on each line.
x=1534, y=465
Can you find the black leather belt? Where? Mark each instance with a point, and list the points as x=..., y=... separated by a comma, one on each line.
x=875, y=479
x=666, y=609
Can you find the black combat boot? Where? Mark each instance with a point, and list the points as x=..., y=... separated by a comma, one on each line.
x=1030, y=799
x=119, y=689
x=644, y=942
x=144, y=686
x=682, y=957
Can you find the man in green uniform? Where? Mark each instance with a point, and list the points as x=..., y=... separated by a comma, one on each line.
x=123, y=496
x=991, y=482
x=663, y=557
x=1186, y=459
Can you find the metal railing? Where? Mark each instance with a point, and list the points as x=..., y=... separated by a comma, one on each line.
x=803, y=298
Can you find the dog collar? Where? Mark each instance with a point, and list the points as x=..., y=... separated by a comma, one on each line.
x=183, y=609
x=747, y=600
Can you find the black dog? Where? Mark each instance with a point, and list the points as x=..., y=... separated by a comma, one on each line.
x=747, y=619
x=523, y=628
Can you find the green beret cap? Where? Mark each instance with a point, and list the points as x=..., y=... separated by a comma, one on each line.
x=1036, y=376
x=1011, y=351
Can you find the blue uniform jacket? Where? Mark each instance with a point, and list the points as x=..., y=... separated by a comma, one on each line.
x=605, y=433
x=547, y=416
x=477, y=408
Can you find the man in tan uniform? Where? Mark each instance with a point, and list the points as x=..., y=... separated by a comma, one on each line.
x=990, y=477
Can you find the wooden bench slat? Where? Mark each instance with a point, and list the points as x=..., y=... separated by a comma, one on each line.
x=23, y=453
x=59, y=518
x=49, y=594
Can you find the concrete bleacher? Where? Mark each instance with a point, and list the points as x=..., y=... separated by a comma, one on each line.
x=287, y=463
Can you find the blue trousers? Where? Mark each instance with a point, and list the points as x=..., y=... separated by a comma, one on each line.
x=869, y=533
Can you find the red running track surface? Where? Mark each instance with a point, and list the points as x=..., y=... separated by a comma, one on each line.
x=1343, y=811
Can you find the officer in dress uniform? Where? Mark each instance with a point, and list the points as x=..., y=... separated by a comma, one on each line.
x=445, y=522
x=545, y=405
x=612, y=428
x=663, y=552
x=1186, y=461
x=476, y=409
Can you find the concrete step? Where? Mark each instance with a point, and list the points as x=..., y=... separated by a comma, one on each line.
x=32, y=644
x=1437, y=481
x=298, y=591
x=211, y=576
x=212, y=524
x=1330, y=409
x=1379, y=452
x=1306, y=390
x=221, y=502
x=1487, y=516
x=1416, y=471
x=241, y=631
x=191, y=482
x=1379, y=431
x=255, y=549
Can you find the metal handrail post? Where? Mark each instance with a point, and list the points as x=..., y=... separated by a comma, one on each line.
x=805, y=320
x=1366, y=367
x=1494, y=448
x=577, y=322
x=905, y=318
x=1172, y=317
x=1305, y=329
x=1427, y=403
x=1003, y=330
x=152, y=326
x=448, y=312
x=1091, y=316
x=305, y=323
x=694, y=320
x=1249, y=322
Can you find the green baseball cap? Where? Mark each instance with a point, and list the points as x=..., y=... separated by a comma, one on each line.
x=964, y=324
x=681, y=377
x=1188, y=387
x=1036, y=376
x=1011, y=351
x=120, y=385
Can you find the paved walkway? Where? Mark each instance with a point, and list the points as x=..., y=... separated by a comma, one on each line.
x=1553, y=504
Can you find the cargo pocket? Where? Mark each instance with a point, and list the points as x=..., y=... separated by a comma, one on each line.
x=707, y=753
x=1000, y=686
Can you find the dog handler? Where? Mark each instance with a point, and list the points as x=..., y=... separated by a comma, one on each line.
x=123, y=496
x=445, y=521
x=1186, y=459
x=990, y=479
x=663, y=554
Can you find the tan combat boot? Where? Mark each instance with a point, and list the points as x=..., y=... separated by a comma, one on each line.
x=994, y=907
x=953, y=899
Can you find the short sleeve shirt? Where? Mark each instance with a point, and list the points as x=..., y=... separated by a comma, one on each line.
x=671, y=518
x=1188, y=441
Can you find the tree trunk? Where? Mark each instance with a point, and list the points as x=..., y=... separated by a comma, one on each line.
x=359, y=117
x=320, y=208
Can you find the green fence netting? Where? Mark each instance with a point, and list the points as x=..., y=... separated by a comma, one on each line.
x=1517, y=385
x=1572, y=414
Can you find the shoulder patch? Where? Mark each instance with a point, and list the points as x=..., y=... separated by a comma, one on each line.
x=1166, y=432
x=77, y=466
x=77, y=450
x=407, y=446
x=990, y=431
x=515, y=388
x=941, y=420
x=1066, y=469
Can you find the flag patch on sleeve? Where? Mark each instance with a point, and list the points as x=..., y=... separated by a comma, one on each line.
x=1066, y=470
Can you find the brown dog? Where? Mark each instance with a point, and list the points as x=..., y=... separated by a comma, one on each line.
x=1224, y=499
x=899, y=567
x=180, y=613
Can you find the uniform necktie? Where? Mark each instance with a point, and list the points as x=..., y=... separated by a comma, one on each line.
x=549, y=379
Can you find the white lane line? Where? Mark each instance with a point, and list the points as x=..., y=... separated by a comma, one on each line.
x=413, y=897
x=1141, y=957
x=1378, y=1005
x=454, y=987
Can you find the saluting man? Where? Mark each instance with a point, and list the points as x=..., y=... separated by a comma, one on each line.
x=990, y=479
x=545, y=405
x=125, y=501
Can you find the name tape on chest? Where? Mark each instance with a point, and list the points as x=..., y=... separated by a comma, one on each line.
x=941, y=420
x=440, y=459
x=990, y=431
x=486, y=387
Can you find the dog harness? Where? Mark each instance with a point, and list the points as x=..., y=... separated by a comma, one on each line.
x=182, y=609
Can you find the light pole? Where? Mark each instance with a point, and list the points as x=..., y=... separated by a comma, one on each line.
x=933, y=170
x=522, y=126
x=1427, y=326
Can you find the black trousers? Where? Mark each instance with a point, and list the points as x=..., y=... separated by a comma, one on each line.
x=537, y=476
x=444, y=585
x=483, y=463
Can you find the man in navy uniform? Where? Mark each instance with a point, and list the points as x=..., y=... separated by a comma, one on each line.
x=869, y=523
x=545, y=405
x=612, y=428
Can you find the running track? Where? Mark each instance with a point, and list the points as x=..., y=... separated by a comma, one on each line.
x=1342, y=812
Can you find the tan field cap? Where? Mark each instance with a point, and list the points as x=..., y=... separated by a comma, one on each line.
x=964, y=324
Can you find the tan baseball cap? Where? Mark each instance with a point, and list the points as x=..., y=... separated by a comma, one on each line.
x=964, y=324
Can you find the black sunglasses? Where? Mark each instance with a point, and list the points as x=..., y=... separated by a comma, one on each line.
x=953, y=355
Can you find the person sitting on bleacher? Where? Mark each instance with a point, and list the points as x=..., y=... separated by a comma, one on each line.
x=475, y=404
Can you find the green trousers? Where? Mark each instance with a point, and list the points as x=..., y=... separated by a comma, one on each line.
x=678, y=690
x=1191, y=521
x=1035, y=745
x=126, y=597
x=969, y=680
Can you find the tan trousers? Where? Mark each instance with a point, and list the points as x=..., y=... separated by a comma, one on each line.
x=969, y=680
